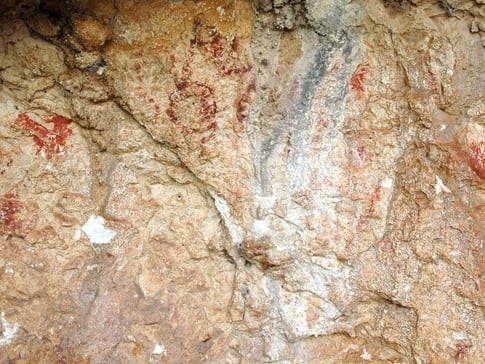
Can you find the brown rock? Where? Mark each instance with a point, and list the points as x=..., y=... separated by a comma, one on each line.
x=294, y=182
x=91, y=33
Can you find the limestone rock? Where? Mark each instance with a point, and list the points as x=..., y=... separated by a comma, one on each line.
x=242, y=182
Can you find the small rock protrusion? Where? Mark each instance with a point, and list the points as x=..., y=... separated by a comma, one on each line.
x=43, y=25
x=89, y=32
x=264, y=5
x=285, y=18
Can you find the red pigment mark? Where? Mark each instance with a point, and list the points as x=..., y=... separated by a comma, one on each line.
x=50, y=141
x=457, y=154
x=289, y=143
x=9, y=207
x=433, y=85
x=245, y=101
x=361, y=151
x=361, y=225
x=223, y=52
x=461, y=350
x=376, y=197
x=477, y=159
x=226, y=70
x=357, y=81
x=215, y=45
x=207, y=107
x=236, y=44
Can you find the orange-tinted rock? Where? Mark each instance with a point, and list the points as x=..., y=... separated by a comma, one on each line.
x=477, y=158
x=243, y=182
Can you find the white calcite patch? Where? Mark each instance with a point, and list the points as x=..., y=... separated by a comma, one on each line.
x=77, y=235
x=8, y=330
x=365, y=355
x=387, y=182
x=96, y=231
x=159, y=350
x=440, y=186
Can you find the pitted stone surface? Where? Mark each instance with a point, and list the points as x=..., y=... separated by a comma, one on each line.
x=242, y=182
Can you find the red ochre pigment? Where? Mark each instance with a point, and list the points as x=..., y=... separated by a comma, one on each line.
x=50, y=141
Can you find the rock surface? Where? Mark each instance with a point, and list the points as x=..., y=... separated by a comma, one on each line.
x=242, y=182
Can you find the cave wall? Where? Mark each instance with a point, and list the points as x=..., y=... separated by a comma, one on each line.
x=242, y=182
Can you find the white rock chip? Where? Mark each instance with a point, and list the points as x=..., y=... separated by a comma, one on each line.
x=96, y=231
x=159, y=349
x=440, y=186
x=9, y=330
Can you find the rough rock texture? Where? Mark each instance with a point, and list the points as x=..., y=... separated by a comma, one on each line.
x=242, y=182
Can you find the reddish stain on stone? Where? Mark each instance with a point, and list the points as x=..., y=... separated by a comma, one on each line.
x=244, y=102
x=461, y=351
x=50, y=141
x=216, y=46
x=9, y=207
x=477, y=159
x=235, y=45
x=223, y=52
x=207, y=107
x=357, y=81
x=227, y=70
x=361, y=151
x=376, y=197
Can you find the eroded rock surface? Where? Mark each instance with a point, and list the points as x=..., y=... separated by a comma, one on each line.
x=242, y=182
